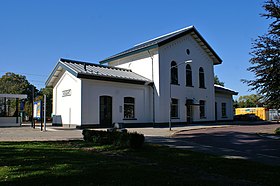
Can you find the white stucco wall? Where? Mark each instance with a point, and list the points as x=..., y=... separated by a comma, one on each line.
x=69, y=107
x=145, y=63
x=162, y=57
x=176, y=51
x=93, y=89
x=224, y=98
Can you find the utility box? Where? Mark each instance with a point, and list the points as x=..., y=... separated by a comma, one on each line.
x=57, y=120
x=261, y=112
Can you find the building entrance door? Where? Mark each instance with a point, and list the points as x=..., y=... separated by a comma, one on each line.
x=105, y=109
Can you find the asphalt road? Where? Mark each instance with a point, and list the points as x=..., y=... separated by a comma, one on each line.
x=236, y=142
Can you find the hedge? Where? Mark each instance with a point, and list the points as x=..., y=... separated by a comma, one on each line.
x=120, y=139
x=277, y=131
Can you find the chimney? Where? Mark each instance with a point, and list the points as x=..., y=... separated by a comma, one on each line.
x=85, y=66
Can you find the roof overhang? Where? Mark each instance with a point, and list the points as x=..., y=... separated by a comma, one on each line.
x=200, y=40
x=105, y=78
x=56, y=73
x=223, y=90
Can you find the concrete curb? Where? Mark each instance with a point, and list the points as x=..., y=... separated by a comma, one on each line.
x=202, y=127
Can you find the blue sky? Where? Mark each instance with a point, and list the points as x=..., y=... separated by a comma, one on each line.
x=35, y=34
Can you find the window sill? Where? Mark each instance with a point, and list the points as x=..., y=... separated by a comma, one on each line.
x=129, y=119
x=202, y=87
x=189, y=86
x=175, y=84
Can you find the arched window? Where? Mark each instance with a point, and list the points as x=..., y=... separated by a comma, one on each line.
x=174, y=73
x=201, y=78
x=129, y=108
x=188, y=75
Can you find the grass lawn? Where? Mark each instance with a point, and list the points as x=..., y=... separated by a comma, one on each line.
x=78, y=163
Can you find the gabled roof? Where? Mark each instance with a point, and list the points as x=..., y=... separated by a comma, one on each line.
x=224, y=90
x=88, y=70
x=164, y=39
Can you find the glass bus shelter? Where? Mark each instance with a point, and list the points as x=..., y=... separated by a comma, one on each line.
x=9, y=109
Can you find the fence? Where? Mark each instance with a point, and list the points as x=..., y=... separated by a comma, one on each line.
x=274, y=114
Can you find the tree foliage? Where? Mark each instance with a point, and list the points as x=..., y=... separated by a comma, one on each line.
x=253, y=100
x=12, y=83
x=49, y=95
x=266, y=58
x=217, y=81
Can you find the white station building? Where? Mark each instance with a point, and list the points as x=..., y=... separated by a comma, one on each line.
x=169, y=78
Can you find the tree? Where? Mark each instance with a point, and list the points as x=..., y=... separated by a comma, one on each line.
x=217, y=81
x=11, y=83
x=253, y=100
x=266, y=58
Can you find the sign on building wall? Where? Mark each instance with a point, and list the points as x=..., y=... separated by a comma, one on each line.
x=66, y=93
x=37, y=109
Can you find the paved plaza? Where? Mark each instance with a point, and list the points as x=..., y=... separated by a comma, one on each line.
x=254, y=141
x=26, y=133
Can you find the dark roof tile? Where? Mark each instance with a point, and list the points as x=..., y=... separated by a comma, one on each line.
x=88, y=70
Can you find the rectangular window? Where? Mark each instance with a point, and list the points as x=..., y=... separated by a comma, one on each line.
x=174, y=108
x=224, y=110
x=202, y=108
x=129, y=108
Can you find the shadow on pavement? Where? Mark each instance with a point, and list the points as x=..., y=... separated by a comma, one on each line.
x=235, y=145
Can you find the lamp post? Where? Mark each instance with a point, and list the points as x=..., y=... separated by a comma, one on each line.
x=170, y=96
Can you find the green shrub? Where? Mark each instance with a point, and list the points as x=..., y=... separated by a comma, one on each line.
x=88, y=135
x=277, y=131
x=120, y=139
x=136, y=140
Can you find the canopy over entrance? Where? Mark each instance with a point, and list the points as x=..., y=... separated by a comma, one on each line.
x=19, y=96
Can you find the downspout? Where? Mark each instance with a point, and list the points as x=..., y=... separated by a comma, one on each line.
x=153, y=87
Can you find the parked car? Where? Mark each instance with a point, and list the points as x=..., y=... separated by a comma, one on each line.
x=246, y=117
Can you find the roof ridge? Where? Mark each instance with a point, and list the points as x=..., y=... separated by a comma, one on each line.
x=93, y=64
x=168, y=34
